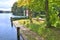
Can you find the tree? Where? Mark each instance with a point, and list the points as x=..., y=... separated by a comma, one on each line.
x=14, y=7
x=35, y=6
x=53, y=10
x=32, y=5
x=17, y=10
x=47, y=13
x=44, y=5
x=26, y=4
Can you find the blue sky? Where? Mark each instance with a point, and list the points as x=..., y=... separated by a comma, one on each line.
x=6, y=4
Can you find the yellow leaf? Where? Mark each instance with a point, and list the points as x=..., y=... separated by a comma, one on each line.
x=23, y=2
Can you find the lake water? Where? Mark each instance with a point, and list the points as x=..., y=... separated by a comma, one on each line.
x=6, y=31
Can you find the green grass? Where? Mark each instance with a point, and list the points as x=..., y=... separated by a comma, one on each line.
x=40, y=29
x=46, y=33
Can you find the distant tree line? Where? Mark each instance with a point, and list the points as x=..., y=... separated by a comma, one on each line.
x=1, y=11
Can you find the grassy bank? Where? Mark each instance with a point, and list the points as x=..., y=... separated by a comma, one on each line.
x=46, y=33
x=40, y=29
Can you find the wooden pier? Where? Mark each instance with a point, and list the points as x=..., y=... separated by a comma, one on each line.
x=17, y=25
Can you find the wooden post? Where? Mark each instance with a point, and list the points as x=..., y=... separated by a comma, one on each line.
x=11, y=21
x=18, y=33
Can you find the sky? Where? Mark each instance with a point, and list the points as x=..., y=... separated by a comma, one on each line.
x=6, y=4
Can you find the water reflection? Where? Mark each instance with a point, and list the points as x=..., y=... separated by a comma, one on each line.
x=6, y=31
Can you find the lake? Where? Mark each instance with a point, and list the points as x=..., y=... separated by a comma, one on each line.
x=6, y=31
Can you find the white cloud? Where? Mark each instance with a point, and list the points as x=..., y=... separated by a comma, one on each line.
x=6, y=5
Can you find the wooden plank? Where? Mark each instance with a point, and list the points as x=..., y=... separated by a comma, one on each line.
x=16, y=24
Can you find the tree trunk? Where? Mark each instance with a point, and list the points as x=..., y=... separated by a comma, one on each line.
x=47, y=14
x=30, y=15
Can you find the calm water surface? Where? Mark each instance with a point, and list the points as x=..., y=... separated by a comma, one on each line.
x=6, y=31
